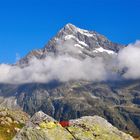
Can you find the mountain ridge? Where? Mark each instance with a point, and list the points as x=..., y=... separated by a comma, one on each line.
x=82, y=38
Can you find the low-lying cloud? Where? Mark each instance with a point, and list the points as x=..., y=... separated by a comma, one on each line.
x=66, y=67
x=62, y=68
x=129, y=58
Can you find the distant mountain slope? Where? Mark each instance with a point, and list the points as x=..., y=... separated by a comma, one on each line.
x=116, y=102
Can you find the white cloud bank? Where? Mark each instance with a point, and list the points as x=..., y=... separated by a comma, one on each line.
x=129, y=58
x=64, y=67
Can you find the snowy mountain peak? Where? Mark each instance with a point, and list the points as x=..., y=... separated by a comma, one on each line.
x=75, y=30
x=69, y=25
x=87, y=43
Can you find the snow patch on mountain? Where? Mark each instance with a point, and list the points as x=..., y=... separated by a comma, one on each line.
x=79, y=46
x=100, y=49
x=68, y=37
x=82, y=31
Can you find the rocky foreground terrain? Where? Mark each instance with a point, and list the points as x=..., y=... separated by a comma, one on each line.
x=43, y=127
x=17, y=125
x=11, y=121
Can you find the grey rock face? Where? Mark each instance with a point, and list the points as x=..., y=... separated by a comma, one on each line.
x=85, y=128
x=115, y=102
x=43, y=127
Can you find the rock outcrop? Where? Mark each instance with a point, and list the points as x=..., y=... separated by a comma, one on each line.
x=43, y=127
x=11, y=121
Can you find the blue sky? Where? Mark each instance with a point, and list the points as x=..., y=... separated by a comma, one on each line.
x=29, y=24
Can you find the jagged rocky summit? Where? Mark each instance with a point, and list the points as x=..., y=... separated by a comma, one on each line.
x=88, y=43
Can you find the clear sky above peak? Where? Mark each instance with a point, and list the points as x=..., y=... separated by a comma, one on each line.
x=28, y=24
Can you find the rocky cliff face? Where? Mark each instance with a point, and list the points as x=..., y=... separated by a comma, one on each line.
x=116, y=102
x=43, y=127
